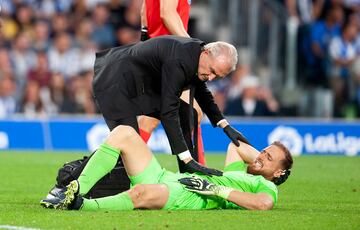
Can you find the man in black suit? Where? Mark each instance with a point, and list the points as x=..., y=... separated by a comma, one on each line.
x=148, y=78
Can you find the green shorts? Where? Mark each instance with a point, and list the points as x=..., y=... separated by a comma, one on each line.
x=179, y=197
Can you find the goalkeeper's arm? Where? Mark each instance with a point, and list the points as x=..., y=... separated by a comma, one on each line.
x=246, y=152
x=253, y=201
x=257, y=201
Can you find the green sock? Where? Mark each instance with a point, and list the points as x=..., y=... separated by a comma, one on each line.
x=117, y=202
x=101, y=163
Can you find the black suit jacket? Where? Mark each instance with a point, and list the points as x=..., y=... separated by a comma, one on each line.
x=148, y=78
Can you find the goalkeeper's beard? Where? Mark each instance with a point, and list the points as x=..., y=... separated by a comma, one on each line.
x=253, y=171
x=254, y=168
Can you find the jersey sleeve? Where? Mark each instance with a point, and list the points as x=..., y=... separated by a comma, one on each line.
x=263, y=187
x=269, y=188
x=173, y=80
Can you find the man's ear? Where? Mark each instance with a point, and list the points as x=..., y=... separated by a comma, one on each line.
x=207, y=52
x=203, y=53
x=278, y=173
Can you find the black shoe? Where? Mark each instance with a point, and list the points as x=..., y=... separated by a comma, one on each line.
x=77, y=203
x=61, y=198
x=54, y=197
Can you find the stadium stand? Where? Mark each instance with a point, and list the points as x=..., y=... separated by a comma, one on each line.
x=47, y=51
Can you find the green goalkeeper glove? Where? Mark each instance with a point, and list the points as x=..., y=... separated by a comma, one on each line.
x=204, y=187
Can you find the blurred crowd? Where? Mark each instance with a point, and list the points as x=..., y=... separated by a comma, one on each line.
x=47, y=53
x=244, y=94
x=329, y=55
x=328, y=66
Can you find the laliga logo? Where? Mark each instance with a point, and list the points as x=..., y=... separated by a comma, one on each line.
x=289, y=137
x=4, y=140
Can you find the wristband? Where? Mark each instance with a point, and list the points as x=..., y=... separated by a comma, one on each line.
x=221, y=121
x=144, y=29
x=186, y=154
x=223, y=191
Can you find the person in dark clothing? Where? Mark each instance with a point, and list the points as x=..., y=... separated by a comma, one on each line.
x=147, y=78
x=253, y=101
x=164, y=17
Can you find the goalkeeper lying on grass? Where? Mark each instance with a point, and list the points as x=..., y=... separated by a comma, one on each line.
x=240, y=186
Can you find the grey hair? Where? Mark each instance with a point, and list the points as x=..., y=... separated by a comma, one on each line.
x=227, y=50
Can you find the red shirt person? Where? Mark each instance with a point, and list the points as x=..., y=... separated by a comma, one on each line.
x=166, y=17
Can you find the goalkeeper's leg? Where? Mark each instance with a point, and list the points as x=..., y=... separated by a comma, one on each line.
x=146, y=196
x=104, y=159
x=146, y=170
x=135, y=154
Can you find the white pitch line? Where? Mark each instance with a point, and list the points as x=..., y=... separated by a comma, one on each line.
x=16, y=227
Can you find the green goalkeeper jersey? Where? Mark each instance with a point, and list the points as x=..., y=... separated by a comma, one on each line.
x=236, y=177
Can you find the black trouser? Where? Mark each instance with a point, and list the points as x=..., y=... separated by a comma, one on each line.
x=130, y=121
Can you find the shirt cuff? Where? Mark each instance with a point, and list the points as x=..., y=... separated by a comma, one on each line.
x=186, y=154
x=221, y=121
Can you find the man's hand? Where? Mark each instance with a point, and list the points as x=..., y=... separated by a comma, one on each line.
x=235, y=136
x=204, y=187
x=193, y=166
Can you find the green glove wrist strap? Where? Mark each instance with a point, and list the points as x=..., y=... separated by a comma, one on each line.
x=223, y=191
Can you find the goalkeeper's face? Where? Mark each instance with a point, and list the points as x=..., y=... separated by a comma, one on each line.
x=268, y=163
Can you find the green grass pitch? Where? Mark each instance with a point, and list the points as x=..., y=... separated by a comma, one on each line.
x=323, y=192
